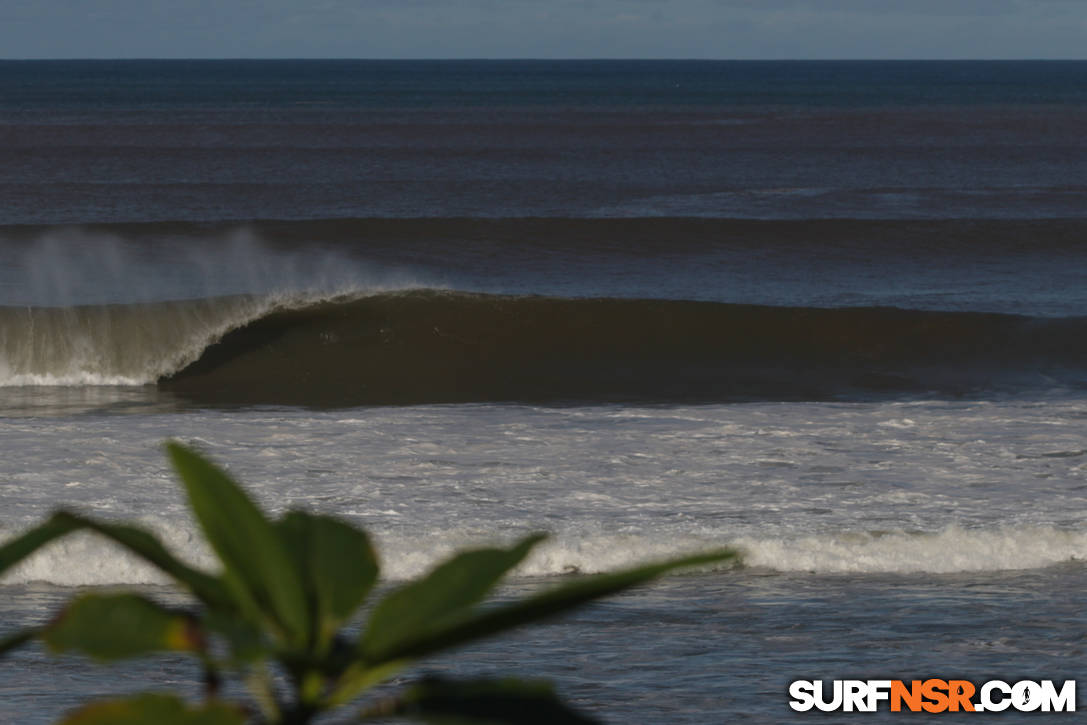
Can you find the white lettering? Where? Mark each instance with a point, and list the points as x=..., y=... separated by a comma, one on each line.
x=999, y=704
x=992, y=696
x=1026, y=696
x=802, y=693
x=836, y=700
x=878, y=690
x=1063, y=701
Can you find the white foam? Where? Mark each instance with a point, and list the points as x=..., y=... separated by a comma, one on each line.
x=84, y=559
x=972, y=487
x=953, y=549
x=407, y=558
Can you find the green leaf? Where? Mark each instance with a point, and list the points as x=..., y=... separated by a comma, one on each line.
x=477, y=625
x=205, y=587
x=14, y=641
x=152, y=709
x=337, y=564
x=245, y=639
x=22, y=546
x=115, y=626
x=257, y=566
x=356, y=678
x=427, y=605
x=496, y=702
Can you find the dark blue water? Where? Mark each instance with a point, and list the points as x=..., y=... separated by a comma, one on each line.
x=267, y=86
x=211, y=140
x=986, y=161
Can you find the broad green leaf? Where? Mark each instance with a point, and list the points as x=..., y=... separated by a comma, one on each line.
x=153, y=709
x=337, y=564
x=477, y=625
x=495, y=702
x=427, y=605
x=14, y=641
x=205, y=587
x=115, y=626
x=257, y=565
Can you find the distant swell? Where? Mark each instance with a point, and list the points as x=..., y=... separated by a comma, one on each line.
x=638, y=236
x=428, y=346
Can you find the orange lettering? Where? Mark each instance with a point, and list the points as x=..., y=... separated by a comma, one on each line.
x=911, y=696
x=934, y=690
x=959, y=694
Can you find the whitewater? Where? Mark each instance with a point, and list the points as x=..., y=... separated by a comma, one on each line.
x=957, y=522
x=913, y=487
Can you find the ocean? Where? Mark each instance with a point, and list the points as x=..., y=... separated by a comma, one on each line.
x=833, y=314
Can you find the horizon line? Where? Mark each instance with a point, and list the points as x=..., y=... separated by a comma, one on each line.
x=539, y=59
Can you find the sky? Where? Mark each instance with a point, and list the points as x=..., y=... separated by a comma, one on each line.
x=704, y=29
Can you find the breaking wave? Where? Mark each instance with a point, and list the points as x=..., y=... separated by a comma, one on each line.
x=82, y=559
x=430, y=346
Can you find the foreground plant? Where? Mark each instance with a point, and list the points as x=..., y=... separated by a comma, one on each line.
x=277, y=607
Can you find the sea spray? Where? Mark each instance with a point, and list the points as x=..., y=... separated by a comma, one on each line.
x=87, y=307
x=78, y=266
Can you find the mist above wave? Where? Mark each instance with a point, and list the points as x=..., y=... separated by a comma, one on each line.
x=85, y=307
x=76, y=266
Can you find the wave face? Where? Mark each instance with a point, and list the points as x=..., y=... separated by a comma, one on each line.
x=428, y=346
x=441, y=347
